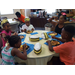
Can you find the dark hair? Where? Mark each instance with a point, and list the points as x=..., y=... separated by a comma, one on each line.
x=18, y=14
x=4, y=24
x=70, y=29
x=64, y=17
x=14, y=39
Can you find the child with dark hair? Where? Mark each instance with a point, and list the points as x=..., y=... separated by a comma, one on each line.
x=11, y=50
x=66, y=50
x=58, y=26
x=20, y=17
x=6, y=30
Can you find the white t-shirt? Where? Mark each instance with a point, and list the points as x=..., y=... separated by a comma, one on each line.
x=27, y=27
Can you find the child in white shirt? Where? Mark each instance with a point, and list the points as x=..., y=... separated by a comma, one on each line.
x=27, y=26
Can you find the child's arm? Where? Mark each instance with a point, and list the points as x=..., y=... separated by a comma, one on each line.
x=50, y=46
x=32, y=29
x=62, y=40
x=53, y=23
x=19, y=54
x=3, y=36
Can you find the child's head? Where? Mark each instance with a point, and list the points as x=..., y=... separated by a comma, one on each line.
x=27, y=21
x=18, y=14
x=14, y=41
x=5, y=24
x=62, y=19
x=68, y=32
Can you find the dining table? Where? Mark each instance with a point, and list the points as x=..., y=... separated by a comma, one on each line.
x=32, y=58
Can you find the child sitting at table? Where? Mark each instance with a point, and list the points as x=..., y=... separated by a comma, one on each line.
x=66, y=50
x=11, y=50
x=6, y=30
x=27, y=26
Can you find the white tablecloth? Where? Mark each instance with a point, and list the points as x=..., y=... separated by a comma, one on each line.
x=43, y=57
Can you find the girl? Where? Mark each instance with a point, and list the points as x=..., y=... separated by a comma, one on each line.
x=59, y=26
x=6, y=30
x=27, y=26
x=11, y=50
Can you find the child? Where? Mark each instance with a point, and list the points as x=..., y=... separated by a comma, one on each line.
x=60, y=25
x=66, y=50
x=20, y=17
x=6, y=30
x=27, y=26
x=11, y=50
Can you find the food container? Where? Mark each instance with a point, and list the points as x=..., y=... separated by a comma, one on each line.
x=33, y=38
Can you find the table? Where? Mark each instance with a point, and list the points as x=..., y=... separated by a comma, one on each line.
x=43, y=57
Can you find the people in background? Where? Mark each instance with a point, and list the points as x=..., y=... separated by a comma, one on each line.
x=27, y=26
x=20, y=17
x=11, y=50
x=6, y=30
x=66, y=50
x=55, y=19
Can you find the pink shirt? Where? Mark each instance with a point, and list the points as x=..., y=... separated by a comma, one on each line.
x=9, y=33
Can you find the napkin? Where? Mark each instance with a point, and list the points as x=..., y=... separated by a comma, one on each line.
x=34, y=33
x=54, y=39
x=22, y=40
x=58, y=35
x=31, y=47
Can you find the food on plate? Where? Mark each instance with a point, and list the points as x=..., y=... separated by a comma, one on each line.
x=53, y=34
x=29, y=31
x=21, y=37
x=54, y=43
x=21, y=48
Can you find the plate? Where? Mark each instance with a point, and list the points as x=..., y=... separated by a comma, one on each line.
x=55, y=43
x=53, y=34
x=28, y=32
x=21, y=48
x=21, y=36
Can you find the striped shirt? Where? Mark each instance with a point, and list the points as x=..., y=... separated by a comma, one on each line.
x=7, y=58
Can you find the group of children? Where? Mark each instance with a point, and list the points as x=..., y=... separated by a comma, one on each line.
x=66, y=50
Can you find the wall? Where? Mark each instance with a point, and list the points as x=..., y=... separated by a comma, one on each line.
x=11, y=15
x=27, y=12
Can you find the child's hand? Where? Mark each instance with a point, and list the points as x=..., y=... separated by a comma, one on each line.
x=48, y=41
x=32, y=29
x=24, y=46
x=24, y=30
x=15, y=33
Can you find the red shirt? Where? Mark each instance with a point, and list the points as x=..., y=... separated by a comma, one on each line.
x=22, y=18
x=66, y=52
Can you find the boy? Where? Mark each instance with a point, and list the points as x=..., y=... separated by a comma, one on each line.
x=66, y=50
x=27, y=26
x=20, y=17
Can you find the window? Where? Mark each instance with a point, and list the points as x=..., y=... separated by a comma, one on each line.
x=50, y=11
x=5, y=12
